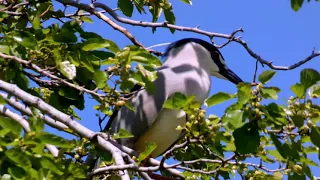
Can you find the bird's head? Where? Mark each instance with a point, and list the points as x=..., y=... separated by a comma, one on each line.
x=210, y=54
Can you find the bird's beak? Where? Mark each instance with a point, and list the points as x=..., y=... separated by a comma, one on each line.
x=230, y=75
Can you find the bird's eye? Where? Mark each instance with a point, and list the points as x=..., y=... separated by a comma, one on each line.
x=215, y=56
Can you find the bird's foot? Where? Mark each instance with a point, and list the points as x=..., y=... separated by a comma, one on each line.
x=145, y=161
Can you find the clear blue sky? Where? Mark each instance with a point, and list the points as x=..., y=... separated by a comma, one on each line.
x=272, y=29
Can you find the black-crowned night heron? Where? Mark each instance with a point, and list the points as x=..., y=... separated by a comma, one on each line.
x=188, y=68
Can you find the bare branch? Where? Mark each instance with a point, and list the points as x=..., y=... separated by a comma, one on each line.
x=165, y=24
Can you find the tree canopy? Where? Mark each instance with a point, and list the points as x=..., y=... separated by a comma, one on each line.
x=50, y=65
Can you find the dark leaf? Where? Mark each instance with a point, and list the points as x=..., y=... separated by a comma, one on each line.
x=65, y=36
x=315, y=135
x=246, y=139
x=309, y=77
x=126, y=7
x=296, y=4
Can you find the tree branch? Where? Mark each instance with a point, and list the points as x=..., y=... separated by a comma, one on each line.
x=25, y=125
x=27, y=111
x=66, y=119
x=165, y=24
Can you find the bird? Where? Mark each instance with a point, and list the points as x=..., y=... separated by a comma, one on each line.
x=188, y=67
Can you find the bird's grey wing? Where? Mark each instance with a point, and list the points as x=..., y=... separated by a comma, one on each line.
x=147, y=106
x=136, y=87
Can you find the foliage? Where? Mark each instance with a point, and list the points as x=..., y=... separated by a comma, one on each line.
x=58, y=61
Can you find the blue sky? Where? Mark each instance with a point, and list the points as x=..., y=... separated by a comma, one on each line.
x=271, y=29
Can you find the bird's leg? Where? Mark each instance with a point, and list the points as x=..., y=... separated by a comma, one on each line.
x=145, y=161
x=159, y=177
x=151, y=174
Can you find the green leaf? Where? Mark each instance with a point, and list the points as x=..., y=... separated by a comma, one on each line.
x=218, y=98
x=146, y=58
x=277, y=176
x=296, y=4
x=24, y=38
x=233, y=118
x=170, y=17
x=187, y=1
x=266, y=76
x=47, y=138
x=86, y=19
x=36, y=124
x=298, y=120
x=100, y=77
x=275, y=153
x=8, y=123
x=103, y=55
x=2, y=100
x=315, y=135
x=178, y=101
x=275, y=113
x=309, y=77
x=298, y=90
x=129, y=105
x=279, y=147
x=19, y=158
x=122, y=134
x=126, y=7
x=16, y=172
x=244, y=92
x=49, y=164
x=98, y=43
x=65, y=36
x=36, y=21
x=5, y=48
x=150, y=147
x=246, y=139
x=270, y=92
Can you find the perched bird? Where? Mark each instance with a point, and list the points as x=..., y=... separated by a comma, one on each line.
x=188, y=68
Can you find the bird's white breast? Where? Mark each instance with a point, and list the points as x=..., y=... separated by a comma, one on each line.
x=163, y=131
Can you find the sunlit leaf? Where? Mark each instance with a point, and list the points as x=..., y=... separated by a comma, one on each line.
x=150, y=147
x=265, y=76
x=122, y=134
x=218, y=98
x=270, y=92
x=11, y=124
x=233, y=119
x=298, y=90
x=26, y=39
x=100, y=77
